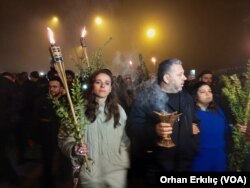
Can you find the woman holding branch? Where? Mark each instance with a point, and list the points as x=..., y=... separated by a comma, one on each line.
x=106, y=142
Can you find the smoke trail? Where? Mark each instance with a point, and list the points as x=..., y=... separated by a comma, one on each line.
x=152, y=94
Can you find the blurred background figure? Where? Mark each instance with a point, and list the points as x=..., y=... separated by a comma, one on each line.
x=70, y=76
x=30, y=89
x=9, y=119
x=206, y=76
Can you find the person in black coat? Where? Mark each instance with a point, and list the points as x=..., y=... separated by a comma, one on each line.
x=9, y=120
x=145, y=129
x=48, y=124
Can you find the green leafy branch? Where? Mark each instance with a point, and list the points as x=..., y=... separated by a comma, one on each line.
x=70, y=127
x=238, y=155
x=95, y=62
x=238, y=95
x=143, y=68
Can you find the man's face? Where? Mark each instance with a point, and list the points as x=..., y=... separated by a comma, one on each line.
x=176, y=78
x=207, y=78
x=55, y=88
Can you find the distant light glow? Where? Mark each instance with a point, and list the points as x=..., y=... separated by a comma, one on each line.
x=55, y=19
x=41, y=73
x=98, y=20
x=151, y=33
x=84, y=86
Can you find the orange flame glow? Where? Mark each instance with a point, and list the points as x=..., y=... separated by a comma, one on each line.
x=51, y=36
x=153, y=59
x=84, y=32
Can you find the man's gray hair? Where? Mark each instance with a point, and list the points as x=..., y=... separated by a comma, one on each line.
x=165, y=66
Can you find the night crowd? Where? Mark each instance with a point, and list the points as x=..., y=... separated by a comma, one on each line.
x=123, y=130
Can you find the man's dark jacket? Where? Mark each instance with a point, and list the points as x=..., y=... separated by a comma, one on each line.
x=141, y=129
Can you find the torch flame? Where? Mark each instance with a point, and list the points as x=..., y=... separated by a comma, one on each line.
x=84, y=32
x=153, y=59
x=51, y=36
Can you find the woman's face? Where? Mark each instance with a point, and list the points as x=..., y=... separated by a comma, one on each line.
x=102, y=86
x=204, y=95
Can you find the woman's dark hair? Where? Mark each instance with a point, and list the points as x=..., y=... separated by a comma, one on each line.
x=111, y=106
x=212, y=105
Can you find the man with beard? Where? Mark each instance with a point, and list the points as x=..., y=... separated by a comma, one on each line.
x=145, y=129
x=48, y=124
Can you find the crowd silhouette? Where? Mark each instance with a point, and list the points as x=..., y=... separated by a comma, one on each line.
x=30, y=155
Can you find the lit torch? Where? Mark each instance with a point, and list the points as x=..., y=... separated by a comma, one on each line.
x=130, y=63
x=83, y=44
x=56, y=55
x=153, y=59
x=59, y=66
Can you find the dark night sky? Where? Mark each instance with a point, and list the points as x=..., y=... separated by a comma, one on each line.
x=205, y=34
